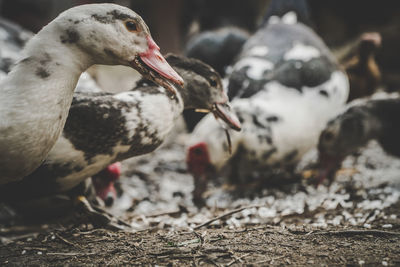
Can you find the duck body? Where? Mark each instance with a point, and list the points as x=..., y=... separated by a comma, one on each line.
x=283, y=51
x=218, y=47
x=103, y=128
x=36, y=94
x=284, y=87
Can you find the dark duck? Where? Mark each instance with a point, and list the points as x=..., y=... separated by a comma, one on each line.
x=221, y=33
x=361, y=66
x=285, y=85
x=104, y=128
x=353, y=129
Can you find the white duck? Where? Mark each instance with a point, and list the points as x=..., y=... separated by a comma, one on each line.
x=36, y=95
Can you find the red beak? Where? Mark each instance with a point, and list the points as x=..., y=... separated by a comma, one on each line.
x=153, y=58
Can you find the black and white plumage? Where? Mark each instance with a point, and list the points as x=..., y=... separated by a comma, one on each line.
x=36, y=94
x=103, y=128
x=363, y=121
x=284, y=86
x=286, y=52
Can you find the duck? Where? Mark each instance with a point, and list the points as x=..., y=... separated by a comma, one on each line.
x=36, y=94
x=217, y=35
x=347, y=133
x=13, y=39
x=284, y=87
x=218, y=48
x=361, y=67
x=104, y=128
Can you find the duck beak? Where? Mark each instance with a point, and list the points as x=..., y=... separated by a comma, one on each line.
x=328, y=165
x=153, y=59
x=224, y=112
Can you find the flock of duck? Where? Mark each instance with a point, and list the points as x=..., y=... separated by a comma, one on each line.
x=284, y=86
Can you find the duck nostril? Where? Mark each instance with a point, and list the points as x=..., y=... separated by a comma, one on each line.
x=109, y=201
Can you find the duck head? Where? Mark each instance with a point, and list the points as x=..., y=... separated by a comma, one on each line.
x=342, y=136
x=115, y=35
x=369, y=44
x=208, y=153
x=103, y=183
x=203, y=89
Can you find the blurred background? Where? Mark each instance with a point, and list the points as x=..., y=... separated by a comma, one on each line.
x=339, y=22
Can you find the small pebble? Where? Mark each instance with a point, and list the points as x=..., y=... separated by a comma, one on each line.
x=361, y=262
x=23, y=252
x=384, y=263
x=367, y=225
x=39, y=253
x=387, y=226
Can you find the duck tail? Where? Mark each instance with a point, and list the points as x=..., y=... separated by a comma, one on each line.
x=280, y=9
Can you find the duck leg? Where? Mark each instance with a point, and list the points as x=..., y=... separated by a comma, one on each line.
x=96, y=215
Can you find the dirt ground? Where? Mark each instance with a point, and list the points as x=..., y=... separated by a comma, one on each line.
x=257, y=245
x=354, y=222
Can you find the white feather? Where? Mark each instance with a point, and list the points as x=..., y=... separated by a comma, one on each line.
x=302, y=52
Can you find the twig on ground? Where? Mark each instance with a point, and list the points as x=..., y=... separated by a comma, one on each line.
x=89, y=232
x=250, y=229
x=66, y=241
x=118, y=220
x=35, y=248
x=199, y=236
x=11, y=239
x=357, y=232
x=225, y=215
x=71, y=253
x=215, y=250
x=237, y=259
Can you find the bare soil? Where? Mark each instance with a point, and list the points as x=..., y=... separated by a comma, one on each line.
x=257, y=245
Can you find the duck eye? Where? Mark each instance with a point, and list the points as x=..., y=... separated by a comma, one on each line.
x=131, y=26
x=213, y=82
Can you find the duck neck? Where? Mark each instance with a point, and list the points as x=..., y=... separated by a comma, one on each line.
x=189, y=95
x=366, y=54
x=36, y=95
